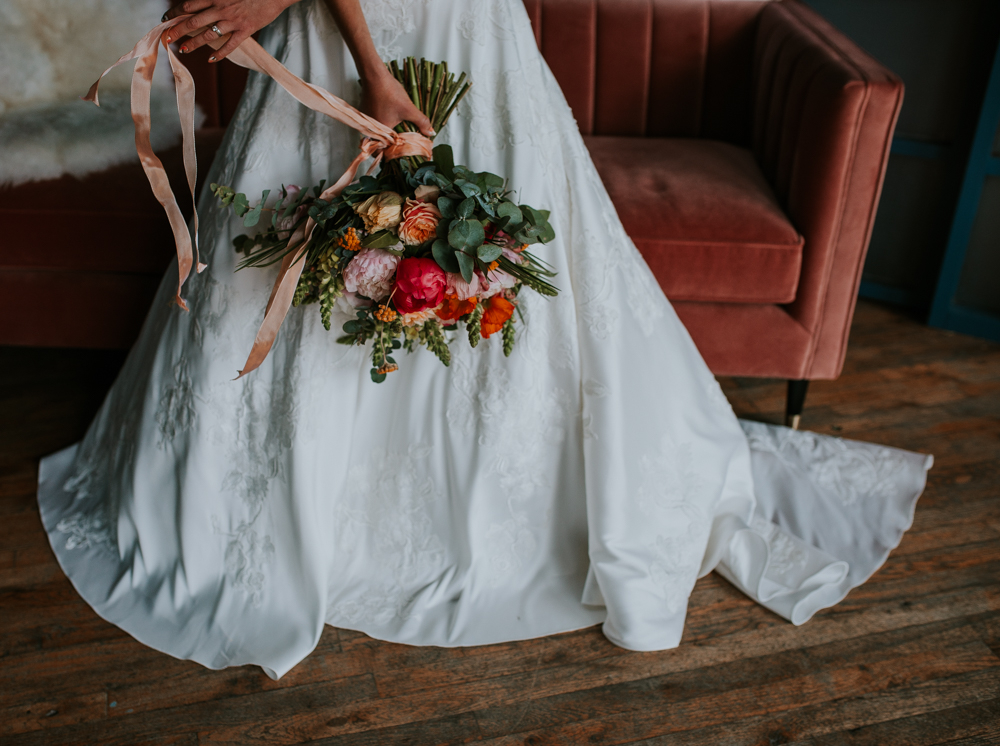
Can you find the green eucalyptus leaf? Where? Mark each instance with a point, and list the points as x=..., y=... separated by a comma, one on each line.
x=548, y=233
x=253, y=217
x=510, y=211
x=534, y=217
x=491, y=180
x=487, y=205
x=380, y=240
x=447, y=207
x=241, y=204
x=444, y=159
x=466, y=234
x=444, y=255
x=466, y=208
x=442, y=181
x=489, y=252
x=468, y=188
x=466, y=264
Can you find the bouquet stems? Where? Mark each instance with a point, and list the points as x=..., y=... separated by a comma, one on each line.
x=433, y=90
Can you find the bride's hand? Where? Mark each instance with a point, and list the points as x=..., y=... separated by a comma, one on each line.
x=241, y=18
x=384, y=98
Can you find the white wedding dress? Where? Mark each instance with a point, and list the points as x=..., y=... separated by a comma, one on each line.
x=589, y=478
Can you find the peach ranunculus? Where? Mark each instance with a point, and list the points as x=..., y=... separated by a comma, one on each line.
x=497, y=310
x=420, y=221
x=381, y=211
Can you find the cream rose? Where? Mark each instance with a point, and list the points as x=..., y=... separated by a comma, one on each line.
x=381, y=211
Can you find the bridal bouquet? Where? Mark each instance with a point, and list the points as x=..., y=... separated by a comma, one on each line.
x=417, y=252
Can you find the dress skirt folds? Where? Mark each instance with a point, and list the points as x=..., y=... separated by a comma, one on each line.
x=588, y=479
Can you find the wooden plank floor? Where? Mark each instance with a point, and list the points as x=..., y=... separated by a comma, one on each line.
x=911, y=658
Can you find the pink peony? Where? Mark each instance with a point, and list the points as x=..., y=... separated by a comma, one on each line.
x=420, y=284
x=420, y=221
x=371, y=273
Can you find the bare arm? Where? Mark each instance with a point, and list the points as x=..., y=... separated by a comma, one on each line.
x=383, y=98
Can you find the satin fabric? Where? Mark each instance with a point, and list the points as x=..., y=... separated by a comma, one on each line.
x=590, y=478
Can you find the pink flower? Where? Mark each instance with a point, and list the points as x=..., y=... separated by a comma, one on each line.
x=495, y=281
x=420, y=221
x=286, y=224
x=420, y=284
x=481, y=287
x=461, y=289
x=371, y=273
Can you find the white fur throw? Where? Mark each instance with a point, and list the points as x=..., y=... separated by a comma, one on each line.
x=51, y=51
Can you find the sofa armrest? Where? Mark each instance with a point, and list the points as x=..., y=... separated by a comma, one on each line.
x=825, y=112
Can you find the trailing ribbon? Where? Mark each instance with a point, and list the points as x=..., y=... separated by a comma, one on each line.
x=145, y=53
x=379, y=142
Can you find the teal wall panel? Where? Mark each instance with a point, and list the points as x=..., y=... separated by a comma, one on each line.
x=943, y=50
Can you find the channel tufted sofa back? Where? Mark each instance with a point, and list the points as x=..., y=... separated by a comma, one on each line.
x=653, y=68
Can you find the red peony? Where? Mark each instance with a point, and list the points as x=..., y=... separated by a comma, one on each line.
x=420, y=284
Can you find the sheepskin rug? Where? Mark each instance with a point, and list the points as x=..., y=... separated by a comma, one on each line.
x=51, y=51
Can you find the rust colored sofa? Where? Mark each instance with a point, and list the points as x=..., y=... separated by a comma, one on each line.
x=743, y=142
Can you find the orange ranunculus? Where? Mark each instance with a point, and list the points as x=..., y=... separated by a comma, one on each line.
x=498, y=310
x=454, y=307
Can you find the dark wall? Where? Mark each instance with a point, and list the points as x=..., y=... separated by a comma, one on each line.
x=943, y=50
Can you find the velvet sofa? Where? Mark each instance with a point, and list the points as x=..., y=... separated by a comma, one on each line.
x=743, y=142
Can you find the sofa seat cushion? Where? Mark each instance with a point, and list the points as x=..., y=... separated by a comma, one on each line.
x=703, y=217
x=104, y=222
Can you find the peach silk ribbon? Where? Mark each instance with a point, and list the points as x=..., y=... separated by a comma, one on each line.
x=379, y=141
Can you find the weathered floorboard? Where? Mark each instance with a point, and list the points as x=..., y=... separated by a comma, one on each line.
x=912, y=658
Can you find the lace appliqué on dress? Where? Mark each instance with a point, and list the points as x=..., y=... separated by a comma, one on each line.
x=246, y=555
x=388, y=20
x=488, y=18
x=260, y=441
x=848, y=469
x=176, y=411
x=516, y=426
x=671, y=495
x=86, y=531
x=787, y=560
x=392, y=497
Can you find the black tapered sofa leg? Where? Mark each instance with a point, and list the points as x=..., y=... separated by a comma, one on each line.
x=795, y=403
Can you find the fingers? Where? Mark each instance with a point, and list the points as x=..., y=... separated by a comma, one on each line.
x=198, y=25
x=424, y=125
x=201, y=39
x=235, y=39
x=181, y=7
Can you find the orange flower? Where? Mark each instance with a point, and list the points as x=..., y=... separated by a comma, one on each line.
x=420, y=221
x=498, y=310
x=454, y=308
